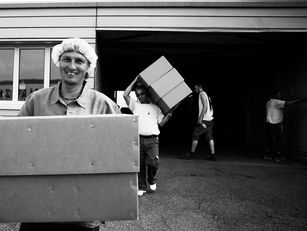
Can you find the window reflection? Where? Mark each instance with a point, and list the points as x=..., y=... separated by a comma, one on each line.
x=54, y=74
x=31, y=72
x=6, y=73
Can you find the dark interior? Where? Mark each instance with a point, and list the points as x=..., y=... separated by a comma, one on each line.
x=239, y=71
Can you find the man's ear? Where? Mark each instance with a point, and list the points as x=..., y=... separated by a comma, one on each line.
x=86, y=75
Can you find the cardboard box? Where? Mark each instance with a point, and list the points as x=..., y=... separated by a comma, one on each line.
x=174, y=97
x=165, y=84
x=63, y=168
x=155, y=71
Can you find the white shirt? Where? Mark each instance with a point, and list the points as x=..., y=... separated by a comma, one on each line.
x=208, y=115
x=274, y=109
x=150, y=115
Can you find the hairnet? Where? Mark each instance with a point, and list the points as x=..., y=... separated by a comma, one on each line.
x=74, y=44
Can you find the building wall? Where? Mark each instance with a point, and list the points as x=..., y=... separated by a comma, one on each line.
x=212, y=19
x=47, y=24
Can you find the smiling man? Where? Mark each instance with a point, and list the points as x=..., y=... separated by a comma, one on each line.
x=71, y=96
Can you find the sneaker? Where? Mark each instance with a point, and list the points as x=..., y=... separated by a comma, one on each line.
x=153, y=187
x=187, y=156
x=211, y=157
x=141, y=192
x=268, y=157
x=280, y=159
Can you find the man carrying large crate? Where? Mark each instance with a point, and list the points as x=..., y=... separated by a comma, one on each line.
x=150, y=117
x=71, y=96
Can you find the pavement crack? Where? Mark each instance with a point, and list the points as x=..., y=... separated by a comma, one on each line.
x=200, y=207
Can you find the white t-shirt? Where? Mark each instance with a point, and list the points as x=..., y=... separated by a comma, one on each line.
x=274, y=111
x=208, y=115
x=150, y=115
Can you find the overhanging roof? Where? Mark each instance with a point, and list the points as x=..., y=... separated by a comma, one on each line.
x=150, y=3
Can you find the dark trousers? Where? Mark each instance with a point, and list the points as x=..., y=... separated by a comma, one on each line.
x=149, y=161
x=274, y=138
x=54, y=227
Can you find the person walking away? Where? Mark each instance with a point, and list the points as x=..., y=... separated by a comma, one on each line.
x=204, y=125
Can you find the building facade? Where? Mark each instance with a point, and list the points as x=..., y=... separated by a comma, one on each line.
x=262, y=42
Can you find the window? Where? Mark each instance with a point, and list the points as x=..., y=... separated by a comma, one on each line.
x=22, y=71
x=6, y=73
x=31, y=72
x=54, y=74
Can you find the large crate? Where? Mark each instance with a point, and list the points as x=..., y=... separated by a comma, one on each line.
x=172, y=98
x=157, y=69
x=163, y=82
x=63, y=168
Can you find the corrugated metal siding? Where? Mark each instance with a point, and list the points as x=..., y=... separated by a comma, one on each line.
x=152, y=3
x=58, y=23
x=47, y=24
x=203, y=19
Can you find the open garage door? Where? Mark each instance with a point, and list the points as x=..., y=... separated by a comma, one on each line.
x=239, y=72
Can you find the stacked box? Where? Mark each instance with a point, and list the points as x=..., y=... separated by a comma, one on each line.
x=63, y=169
x=155, y=71
x=166, y=86
x=170, y=100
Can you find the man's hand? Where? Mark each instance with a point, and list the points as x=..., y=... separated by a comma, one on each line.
x=203, y=124
x=126, y=94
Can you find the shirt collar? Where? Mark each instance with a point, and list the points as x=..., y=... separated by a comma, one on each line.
x=83, y=100
x=55, y=97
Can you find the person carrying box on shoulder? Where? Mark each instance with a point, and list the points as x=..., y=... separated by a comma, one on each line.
x=150, y=118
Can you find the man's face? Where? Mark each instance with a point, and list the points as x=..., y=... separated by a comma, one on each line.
x=196, y=88
x=141, y=95
x=280, y=95
x=73, y=67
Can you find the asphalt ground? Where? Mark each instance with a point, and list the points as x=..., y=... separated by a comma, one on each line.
x=236, y=192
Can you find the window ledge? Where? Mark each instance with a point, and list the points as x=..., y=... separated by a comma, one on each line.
x=10, y=105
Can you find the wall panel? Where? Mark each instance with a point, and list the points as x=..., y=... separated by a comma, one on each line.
x=47, y=24
x=45, y=33
x=30, y=12
x=204, y=19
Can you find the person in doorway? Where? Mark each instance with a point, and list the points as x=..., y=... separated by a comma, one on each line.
x=204, y=125
x=71, y=96
x=274, y=126
x=150, y=118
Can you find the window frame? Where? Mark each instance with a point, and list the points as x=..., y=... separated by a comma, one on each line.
x=15, y=103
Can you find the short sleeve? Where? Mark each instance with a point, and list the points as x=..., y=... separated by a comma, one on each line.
x=280, y=103
x=132, y=104
x=160, y=115
x=27, y=108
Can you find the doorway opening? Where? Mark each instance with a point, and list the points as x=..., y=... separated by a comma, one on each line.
x=239, y=72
